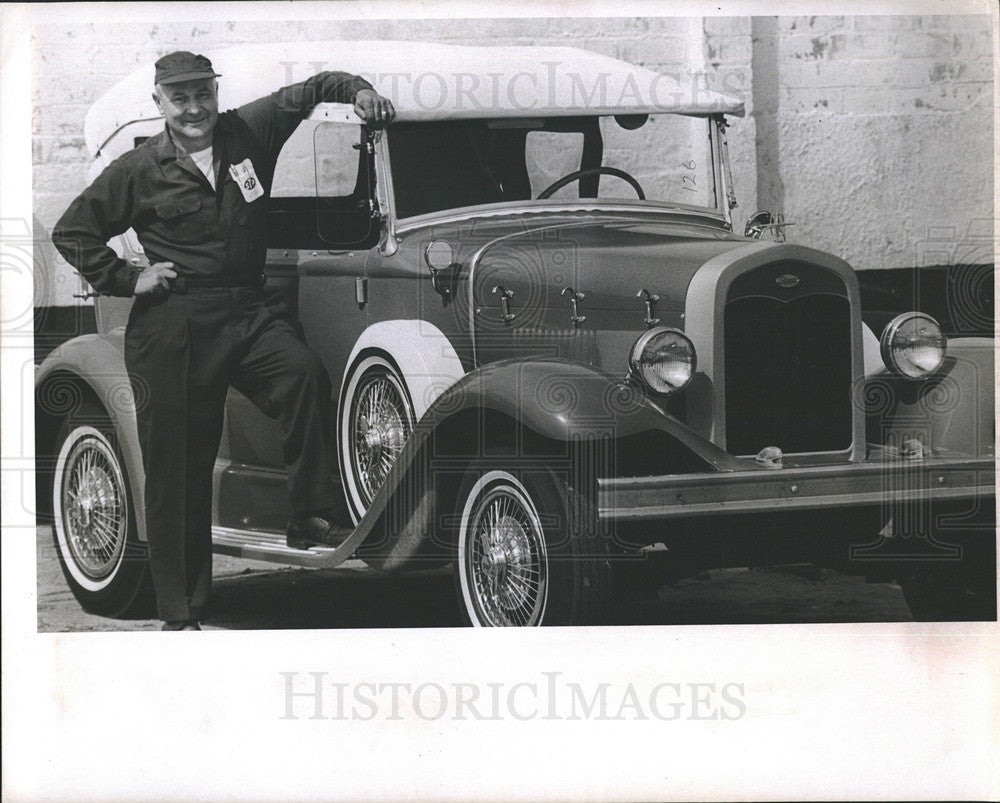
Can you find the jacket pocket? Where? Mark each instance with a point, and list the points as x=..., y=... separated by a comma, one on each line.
x=181, y=220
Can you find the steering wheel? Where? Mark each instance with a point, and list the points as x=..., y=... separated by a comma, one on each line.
x=576, y=175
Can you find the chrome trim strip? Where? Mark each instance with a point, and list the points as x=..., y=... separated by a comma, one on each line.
x=728, y=199
x=718, y=181
x=805, y=488
x=384, y=195
x=511, y=210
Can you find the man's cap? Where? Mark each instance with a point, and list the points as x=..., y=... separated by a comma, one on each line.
x=183, y=66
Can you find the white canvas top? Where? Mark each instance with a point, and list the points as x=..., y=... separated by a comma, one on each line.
x=431, y=81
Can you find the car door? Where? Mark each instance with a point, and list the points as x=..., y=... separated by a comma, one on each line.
x=321, y=225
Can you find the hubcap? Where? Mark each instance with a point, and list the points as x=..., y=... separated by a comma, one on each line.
x=94, y=516
x=381, y=427
x=505, y=559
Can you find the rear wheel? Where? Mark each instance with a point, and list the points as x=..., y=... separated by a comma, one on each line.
x=529, y=550
x=104, y=563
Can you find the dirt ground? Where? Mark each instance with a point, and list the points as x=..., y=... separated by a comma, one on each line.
x=250, y=595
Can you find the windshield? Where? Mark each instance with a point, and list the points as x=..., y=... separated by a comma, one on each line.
x=646, y=159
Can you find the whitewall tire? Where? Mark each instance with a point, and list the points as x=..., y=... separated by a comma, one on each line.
x=104, y=563
x=376, y=417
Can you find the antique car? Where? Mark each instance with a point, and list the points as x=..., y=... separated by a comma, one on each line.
x=556, y=366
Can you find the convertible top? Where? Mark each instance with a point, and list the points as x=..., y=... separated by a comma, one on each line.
x=431, y=81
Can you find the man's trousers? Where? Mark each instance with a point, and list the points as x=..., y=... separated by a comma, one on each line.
x=182, y=352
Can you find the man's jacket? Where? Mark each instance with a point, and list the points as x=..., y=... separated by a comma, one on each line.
x=157, y=190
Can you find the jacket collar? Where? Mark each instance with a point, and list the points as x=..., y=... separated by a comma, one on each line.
x=167, y=150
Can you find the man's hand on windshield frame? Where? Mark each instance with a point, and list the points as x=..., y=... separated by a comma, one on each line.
x=374, y=109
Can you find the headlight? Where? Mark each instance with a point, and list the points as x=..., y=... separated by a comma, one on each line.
x=663, y=359
x=912, y=345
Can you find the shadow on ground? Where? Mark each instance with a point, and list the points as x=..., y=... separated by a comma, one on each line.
x=250, y=595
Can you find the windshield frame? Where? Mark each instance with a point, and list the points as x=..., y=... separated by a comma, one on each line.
x=720, y=213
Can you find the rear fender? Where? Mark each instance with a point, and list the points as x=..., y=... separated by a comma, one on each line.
x=94, y=366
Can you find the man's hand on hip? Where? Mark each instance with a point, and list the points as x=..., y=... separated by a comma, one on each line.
x=155, y=278
x=373, y=108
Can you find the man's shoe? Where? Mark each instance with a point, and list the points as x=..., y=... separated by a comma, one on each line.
x=305, y=531
x=187, y=624
x=308, y=530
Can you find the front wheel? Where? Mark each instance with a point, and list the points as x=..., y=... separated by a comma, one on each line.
x=104, y=563
x=529, y=551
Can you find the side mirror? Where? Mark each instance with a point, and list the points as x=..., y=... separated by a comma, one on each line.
x=757, y=223
x=762, y=221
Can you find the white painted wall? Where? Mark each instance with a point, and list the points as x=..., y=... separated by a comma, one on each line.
x=870, y=131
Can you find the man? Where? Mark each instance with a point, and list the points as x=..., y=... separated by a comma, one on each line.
x=196, y=195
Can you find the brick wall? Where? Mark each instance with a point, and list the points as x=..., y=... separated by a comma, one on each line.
x=864, y=131
x=878, y=130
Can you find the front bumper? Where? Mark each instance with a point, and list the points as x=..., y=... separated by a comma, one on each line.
x=834, y=487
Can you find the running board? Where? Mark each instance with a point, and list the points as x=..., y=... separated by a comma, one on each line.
x=271, y=547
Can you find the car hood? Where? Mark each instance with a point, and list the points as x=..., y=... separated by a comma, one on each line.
x=608, y=264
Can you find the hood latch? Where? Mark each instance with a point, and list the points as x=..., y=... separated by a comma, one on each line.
x=574, y=299
x=651, y=299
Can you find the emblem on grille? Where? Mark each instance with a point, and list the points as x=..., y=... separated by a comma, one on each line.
x=787, y=280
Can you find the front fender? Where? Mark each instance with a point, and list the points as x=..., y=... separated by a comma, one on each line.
x=550, y=407
x=564, y=402
x=94, y=364
x=951, y=413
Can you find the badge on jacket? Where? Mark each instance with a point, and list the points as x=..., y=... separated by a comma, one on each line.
x=246, y=179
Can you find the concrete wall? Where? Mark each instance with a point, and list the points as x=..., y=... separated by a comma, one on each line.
x=871, y=131
x=864, y=131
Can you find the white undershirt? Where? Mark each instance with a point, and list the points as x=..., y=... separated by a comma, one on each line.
x=203, y=159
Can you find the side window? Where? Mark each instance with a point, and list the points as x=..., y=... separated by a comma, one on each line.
x=336, y=148
x=295, y=172
x=322, y=187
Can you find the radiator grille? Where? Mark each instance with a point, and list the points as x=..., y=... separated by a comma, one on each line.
x=788, y=361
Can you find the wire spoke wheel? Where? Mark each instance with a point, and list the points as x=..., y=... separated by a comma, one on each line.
x=505, y=563
x=104, y=562
x=379, y=422
x=94, y=506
